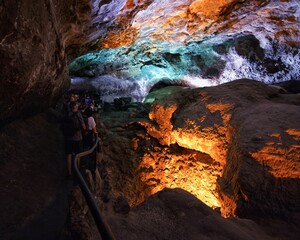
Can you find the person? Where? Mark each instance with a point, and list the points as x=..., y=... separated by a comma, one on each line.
x=91, y=129
x=74, y=140
x=66, y=104
x=88, y=101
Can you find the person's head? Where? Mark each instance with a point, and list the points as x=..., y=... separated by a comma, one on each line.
x=83, y=106
x=74, y=106
x=88, y=112
x=72, y=98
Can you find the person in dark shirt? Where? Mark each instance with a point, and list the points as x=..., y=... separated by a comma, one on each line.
x=74, y=143
x=66, y=104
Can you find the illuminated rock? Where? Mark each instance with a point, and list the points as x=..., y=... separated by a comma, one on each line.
x=192, y=171
x=205, y=62
x=234, y=146
x=258, y=38
x=265, y=153
x=37, y=41
x=239, y=126
x=197, y=140
x=252, y=170
x=181, y=21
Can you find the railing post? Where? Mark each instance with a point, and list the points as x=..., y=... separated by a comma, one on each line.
x=104, y=229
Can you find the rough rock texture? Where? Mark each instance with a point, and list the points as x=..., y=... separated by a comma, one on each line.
x=181, y=20
x=240, y=127
x=234, y=146
x=176, y=214
x=135, y=165
x=268, y=146
x=37, y=39
x=217, y=142
x=170, y=214
x=34, y=39
x=32, y=167
x=227, y=40
x=133, y=70
x=33, y=62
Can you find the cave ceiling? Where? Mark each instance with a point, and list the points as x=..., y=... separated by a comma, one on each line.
x=123, y=47
x=201, y=42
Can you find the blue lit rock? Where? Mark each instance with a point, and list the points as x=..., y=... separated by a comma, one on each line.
x=38, y=40
x=206, y=42
x=203, y=62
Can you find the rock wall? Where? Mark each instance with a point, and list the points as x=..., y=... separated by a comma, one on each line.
x=234, y=146
x=33, y=61
x=262, y=173
x=38, y=39
x=181, y=21
x=33, y=197
x=255, y=140
x=35, y=39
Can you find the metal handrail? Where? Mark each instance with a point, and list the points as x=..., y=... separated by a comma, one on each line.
x=104, y=229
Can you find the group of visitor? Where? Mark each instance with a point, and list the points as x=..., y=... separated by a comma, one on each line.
x=78, y=126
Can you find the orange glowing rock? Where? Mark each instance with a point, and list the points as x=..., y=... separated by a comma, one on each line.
x=280, y=159
x=212, y=124
x=235, y=146
x=200, y=135
x=162, y=116
x=180, y=21
x=135, y=143
x=194, y=135
x=192, y=171
x=209, y=9
x=223, y=108
x=119, y=38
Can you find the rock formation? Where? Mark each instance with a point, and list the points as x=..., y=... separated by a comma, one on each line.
x=239, y=126
x=231, y=146
x=226, y=40
x=176, y=214
x=33, y=200
x=39, y=39
x=182, y=21
x=35, y=39
x=234, y=146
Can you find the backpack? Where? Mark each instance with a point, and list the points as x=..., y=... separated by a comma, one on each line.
x=70, y=125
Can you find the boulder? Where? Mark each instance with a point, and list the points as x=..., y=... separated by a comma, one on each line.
x=177, y=214
x=235, y=147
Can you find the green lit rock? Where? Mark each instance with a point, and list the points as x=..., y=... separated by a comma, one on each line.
x=203, y=62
